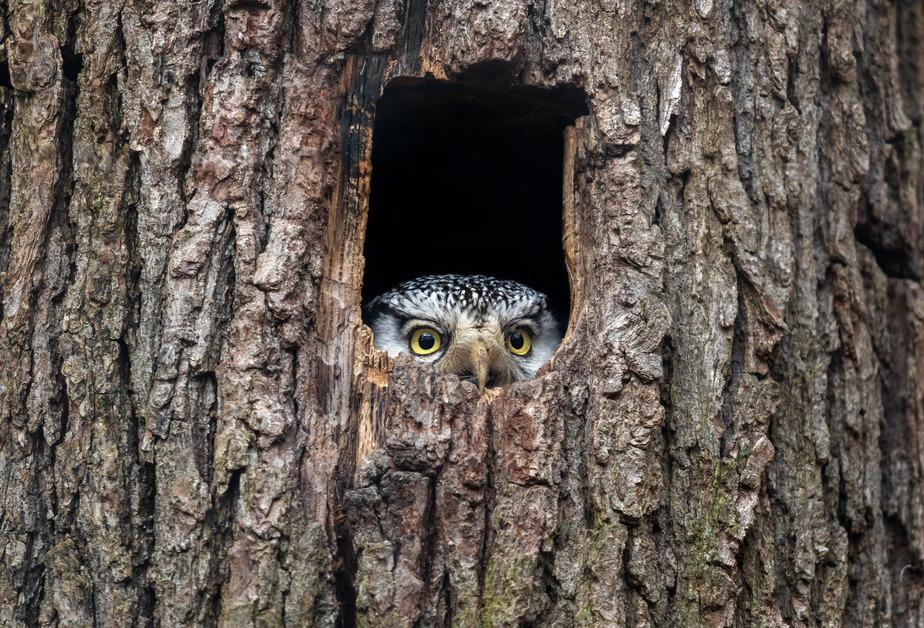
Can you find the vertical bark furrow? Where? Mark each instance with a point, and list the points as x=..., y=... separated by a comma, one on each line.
x=6, y=170
x=39, y=111
x=210, y=281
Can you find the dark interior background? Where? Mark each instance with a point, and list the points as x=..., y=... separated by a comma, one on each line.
x=467, y=178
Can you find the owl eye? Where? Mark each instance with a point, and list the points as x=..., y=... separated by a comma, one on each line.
x=519, y=341
x=424, y=341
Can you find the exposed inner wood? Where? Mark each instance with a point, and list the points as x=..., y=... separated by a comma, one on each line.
x=572, y=236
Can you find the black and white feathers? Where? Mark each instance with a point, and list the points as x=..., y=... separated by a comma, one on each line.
x=491, y=331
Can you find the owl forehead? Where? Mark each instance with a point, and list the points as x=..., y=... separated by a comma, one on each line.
x=475, y=297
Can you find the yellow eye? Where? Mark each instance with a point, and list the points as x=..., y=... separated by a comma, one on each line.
x=424, y=341
x=519, y=341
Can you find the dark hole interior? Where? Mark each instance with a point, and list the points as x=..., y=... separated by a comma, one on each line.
x=71, y=64
x=5, y=80
x=467, y=178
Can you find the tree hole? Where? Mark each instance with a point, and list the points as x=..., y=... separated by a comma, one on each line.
x=467, y=179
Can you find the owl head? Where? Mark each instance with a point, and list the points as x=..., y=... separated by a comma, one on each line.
x=489, y=331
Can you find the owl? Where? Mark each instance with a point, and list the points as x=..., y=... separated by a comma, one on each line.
x=488, y=331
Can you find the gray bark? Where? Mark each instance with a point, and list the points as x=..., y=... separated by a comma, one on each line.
x=196, y=430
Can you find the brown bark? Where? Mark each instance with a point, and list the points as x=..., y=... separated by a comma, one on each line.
x=196, y=430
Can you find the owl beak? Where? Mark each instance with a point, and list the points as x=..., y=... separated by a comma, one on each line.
x=480, y=358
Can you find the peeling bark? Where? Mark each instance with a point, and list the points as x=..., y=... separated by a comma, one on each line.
x=197, y=430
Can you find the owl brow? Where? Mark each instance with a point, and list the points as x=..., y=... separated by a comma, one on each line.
x=412, y=323
x=388, y=308
x=525, y=322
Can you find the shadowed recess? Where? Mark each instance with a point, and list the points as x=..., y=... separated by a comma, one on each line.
x=6, y=81
x=467, y=178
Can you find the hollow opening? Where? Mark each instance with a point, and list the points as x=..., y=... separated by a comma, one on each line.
x=467, y=179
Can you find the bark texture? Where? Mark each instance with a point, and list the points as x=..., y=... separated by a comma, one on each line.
x=196, y=431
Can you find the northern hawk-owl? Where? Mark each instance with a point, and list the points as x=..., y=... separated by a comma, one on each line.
x=489, y=331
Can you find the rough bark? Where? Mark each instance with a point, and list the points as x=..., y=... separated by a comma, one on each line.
x=196, y=431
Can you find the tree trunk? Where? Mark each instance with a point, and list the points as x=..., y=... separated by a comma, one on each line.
x=196, y=430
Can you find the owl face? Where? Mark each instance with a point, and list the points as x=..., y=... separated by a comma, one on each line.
x=489, y=331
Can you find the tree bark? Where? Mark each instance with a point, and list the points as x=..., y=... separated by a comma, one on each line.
x=197, y=431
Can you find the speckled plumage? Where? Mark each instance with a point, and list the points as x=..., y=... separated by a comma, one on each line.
x=473, y=313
